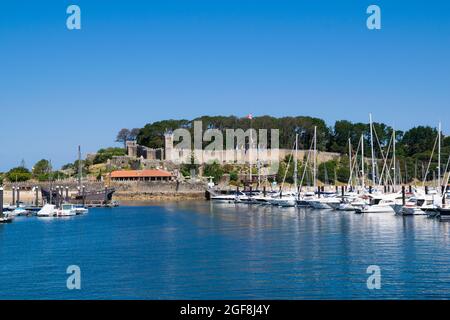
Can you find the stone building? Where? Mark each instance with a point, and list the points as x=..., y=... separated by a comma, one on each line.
x=135, y=150
x=243, y=154
x=142, y=157
x=141, y=175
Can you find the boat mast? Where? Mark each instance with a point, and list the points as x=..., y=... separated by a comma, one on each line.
x=439, y=158
x=80, y=167
x=393, y=156
x=362, y=161
x=371, y=146
x=315, y=157
x=258, y=166
x=250, y=152
x=350, y=159
x=295, y=162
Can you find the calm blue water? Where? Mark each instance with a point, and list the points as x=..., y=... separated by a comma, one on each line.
x=197, y=250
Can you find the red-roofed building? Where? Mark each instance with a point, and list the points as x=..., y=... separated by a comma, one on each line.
x=141, y=175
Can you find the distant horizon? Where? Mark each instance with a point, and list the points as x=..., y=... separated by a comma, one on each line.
x=138, y=62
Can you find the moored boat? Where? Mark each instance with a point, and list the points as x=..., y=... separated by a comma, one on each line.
x=48, y=210
x=66, y=210
x=444, y=213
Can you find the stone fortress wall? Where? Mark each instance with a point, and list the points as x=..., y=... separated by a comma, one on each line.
x=164, y=158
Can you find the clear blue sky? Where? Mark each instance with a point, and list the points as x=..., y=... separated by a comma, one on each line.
x=136, y=62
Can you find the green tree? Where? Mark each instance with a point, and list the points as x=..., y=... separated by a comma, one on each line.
x=186, y=168
x=123, y=136
x=152, y=134
x=19, y=174
x=104, y=155
x=213, y=170
x=326, y=171
x=41, y=167
x=234, y=176
x=418, y=139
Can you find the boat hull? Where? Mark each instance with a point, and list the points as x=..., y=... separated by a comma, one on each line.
x=375, y=209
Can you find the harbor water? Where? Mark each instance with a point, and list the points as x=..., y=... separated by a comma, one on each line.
x=202, y=250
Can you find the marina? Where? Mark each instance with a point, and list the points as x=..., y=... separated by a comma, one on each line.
x=378, y=192
x=230, y=156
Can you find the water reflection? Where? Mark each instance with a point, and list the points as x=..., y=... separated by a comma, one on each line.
x=327, y=252
x=204, y=250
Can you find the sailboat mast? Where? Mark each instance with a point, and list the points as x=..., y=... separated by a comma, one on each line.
x=258, y=165
x=371, y=147
x=80, y=167
x=350, y=160
x=362, y=160
x=439, y=158
x=393, y=158
x=250, y=152
x=295, y=162
x=315, y=157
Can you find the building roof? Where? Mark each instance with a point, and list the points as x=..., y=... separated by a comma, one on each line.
x=156, y=173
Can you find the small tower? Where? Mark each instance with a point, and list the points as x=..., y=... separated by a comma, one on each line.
x=132, y=148
x=168, y=145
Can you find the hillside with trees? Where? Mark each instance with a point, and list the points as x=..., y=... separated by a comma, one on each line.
x=413, y=147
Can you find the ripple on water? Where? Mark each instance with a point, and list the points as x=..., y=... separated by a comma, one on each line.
x=199, y=250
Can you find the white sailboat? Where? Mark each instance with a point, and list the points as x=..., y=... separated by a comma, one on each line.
x=289, y=198
x=225, y=198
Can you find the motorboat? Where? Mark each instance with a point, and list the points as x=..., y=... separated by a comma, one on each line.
x=6, y=219
x=265, y=199
x=19, y=211
x=9, y=207
x=48, y=210
x=288, y=199
x=305, y=199
x=351, y=203
x=66, y=210
x=81, y=210
x=418, y=204
x=379, y=204
x=325, y=203
x=224, y=198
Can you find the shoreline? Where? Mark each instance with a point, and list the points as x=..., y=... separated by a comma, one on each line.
x=158, y=196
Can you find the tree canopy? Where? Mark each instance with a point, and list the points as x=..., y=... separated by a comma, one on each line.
x=105, y=154
x=333, y=139
x=18, y=174
x=41, y=167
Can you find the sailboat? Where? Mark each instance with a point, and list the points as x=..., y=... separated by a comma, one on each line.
x=425, y=203
x=288, y=199
x=444, y=209
x=84, y=196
